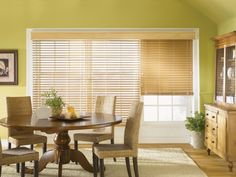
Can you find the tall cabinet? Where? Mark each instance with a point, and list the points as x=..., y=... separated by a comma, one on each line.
x=220, y=125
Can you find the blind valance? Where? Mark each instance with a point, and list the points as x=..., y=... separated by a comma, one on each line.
x=95, y=35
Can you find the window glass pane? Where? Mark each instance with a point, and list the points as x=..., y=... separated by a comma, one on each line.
x=165, y=113
x=190, y=101
x=190, y=111
x=180, y=100
x=150, y=100
x=165, y=100
x=179, y=113
x=167, y=108
x=150, y=113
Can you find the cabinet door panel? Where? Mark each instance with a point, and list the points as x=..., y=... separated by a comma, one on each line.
x=231, y=136
x=221, y=135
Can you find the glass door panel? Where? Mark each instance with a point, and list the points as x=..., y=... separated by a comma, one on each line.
x=230, y=75
x=219, y=75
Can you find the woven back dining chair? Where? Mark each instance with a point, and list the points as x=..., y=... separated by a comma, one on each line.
x=42, y=113
x=17, y=107
x=105, y=105
x=19, y=155
x=128, y=149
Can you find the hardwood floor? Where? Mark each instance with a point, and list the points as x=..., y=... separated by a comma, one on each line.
x=212, y=165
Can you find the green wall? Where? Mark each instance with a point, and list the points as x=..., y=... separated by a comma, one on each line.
x=18, y=15
x=227, y=26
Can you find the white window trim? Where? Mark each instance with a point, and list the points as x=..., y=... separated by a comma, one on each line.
x=196, y=96
x=196, y=86
x=151, y=132
x=196, y=104
x=29, y=63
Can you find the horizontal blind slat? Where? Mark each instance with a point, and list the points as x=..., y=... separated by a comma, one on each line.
x=81, y=70
x=166, y=67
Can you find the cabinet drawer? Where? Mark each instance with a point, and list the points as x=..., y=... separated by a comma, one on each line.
x=210, y=141
x=210, y=127
x=210, y=115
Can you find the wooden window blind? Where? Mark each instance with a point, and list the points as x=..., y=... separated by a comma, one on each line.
x=166, y=67
x=80, y=70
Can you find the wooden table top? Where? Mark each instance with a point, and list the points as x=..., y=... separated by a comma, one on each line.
x=95, y=120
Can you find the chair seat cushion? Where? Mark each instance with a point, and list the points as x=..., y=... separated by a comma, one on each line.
x=94, y=137
x=26, y=139
x=113, y=150
x=17, y=155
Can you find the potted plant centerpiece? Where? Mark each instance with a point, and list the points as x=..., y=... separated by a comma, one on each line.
x=196, y=125
x=54, y=101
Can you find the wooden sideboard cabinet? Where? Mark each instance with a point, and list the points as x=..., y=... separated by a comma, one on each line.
x=220, y=125
x=220, y=132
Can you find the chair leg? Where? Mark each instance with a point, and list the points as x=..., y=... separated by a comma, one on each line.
x=9, y=145
x=32, y=148
x=59, y=169
x=44, y=147
x=76, y=147
x=22, y=169
x=112, y=142
x=0, y=171
x=36, y=168
x=98, y=166
x=18, y=168
x=128, y=166
x=135, y=163
x=101, y=167
x=95, y=168
x=18, y=164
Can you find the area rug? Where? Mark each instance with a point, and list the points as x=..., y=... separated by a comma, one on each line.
x=161, y=162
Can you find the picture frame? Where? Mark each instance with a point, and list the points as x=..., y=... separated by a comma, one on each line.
x=8, y=67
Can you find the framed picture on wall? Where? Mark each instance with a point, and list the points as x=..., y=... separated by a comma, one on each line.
x=8, y=67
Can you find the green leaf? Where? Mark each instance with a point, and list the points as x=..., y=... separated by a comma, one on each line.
x=53, y=100
x=196, y=123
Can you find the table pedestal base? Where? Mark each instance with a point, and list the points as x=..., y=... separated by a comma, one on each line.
x=62, y=154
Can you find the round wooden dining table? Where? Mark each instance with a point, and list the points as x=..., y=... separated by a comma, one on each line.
x=62, y=154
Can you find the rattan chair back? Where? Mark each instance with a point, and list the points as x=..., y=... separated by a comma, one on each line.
x=133, y=125
x=0, y=149
x=16, y=107
x=105, y=104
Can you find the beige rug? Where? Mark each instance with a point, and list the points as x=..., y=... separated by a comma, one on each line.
x=161, y=162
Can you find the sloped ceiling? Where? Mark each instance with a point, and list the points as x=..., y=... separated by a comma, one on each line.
x=217, y=10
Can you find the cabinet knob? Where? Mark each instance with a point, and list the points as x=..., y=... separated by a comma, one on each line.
x=213, y=117
x=207, y=114
x=213, y=141
x=213, y=129
x=206, y=137
x=207, y=125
